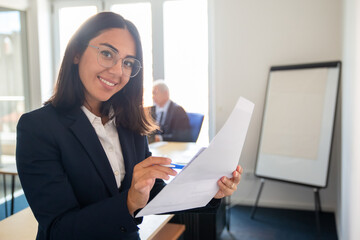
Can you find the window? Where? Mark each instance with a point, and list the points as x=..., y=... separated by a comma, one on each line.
x=140, y=15
x=70, y=18
x=12, y=68
x=186, y=56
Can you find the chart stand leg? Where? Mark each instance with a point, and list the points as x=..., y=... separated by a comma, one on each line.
x=227, y=209
x=317, y=208
x=228, y=216
x=257, y=199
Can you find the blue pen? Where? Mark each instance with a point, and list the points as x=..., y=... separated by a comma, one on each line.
x=176, y=166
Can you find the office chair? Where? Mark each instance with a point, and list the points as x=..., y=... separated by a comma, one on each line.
x=196, y=120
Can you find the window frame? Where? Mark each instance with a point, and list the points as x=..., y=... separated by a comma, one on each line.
x=56, y=6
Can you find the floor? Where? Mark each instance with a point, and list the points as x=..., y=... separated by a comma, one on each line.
x=272, y=223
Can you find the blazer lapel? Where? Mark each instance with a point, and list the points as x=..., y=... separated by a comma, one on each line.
x=127, y=146
x=87, y=136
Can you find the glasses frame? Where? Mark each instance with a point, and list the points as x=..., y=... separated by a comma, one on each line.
x=116, y=60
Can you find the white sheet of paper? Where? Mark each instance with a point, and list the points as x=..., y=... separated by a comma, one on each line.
x=196, y=184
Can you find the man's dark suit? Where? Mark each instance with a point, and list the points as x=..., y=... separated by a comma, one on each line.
x=67, y=178
x=176, y=127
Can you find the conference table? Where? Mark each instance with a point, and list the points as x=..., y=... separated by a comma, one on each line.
x=179, y=152
x=23, y=225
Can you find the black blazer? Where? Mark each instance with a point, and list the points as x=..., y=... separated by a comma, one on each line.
x=176, y=127
x=67, y=178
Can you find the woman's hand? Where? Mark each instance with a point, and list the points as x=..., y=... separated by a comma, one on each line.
x=227, y=186
x=143, y=180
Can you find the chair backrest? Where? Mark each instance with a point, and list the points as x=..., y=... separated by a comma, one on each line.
x=196, y=120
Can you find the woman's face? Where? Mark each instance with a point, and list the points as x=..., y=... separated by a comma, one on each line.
x=102, y=83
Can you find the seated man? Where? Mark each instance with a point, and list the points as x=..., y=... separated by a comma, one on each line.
x=172, y=118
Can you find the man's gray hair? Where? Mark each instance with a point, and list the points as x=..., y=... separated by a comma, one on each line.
x=161, y=85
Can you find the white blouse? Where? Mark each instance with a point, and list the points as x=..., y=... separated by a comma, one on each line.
x=109, y=139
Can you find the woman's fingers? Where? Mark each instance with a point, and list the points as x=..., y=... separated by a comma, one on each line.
x=227, y=186
x=239, y=169
x=145, y=174
x=154, y=172
x=148, y=170
x=236, y=176
x=154, y=161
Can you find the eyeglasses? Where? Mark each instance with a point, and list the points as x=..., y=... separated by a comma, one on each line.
x=107, y=58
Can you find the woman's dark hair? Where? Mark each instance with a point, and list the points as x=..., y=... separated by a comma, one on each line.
x=128, y=102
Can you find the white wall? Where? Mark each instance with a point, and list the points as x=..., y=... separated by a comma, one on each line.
x=249, y=37
x=349, y=206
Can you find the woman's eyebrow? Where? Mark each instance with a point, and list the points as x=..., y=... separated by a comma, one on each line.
x=114, y=49
x=110, y=46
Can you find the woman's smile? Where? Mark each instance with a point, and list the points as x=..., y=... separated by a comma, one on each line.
x=107, y=83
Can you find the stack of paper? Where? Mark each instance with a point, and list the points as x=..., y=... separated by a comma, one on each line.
x=196, y=184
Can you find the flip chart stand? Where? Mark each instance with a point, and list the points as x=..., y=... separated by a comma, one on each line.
x=227, y=210
x=257, y=198
x=228, y=217
x=316, y=198
x=317, y=207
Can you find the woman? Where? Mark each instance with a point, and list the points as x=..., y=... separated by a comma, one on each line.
x=83, y=158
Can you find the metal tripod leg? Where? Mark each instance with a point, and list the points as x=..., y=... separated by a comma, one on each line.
x=317, y=208
x=257, y=199
x=227, y=213
x=227, y=210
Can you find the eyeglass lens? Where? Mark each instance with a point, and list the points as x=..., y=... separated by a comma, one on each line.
x=108, y=58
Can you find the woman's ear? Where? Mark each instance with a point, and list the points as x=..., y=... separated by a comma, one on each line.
x=77, y=59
